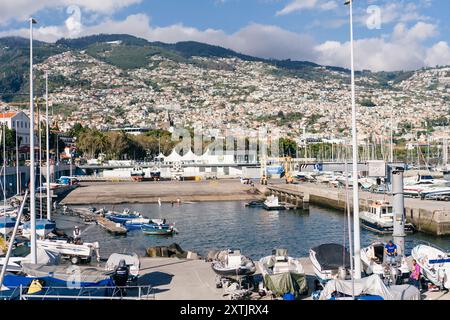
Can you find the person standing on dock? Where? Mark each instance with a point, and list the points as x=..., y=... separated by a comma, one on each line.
x=391, y=252
x=159, y=202
x=415, y=275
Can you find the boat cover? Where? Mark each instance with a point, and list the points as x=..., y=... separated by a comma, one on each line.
x=288, y=282
x=86, y=273
x=332, y=256
x=45, y=257
x=131, y=260
x=373, y=286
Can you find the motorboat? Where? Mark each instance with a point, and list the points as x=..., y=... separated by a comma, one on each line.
x=379, y=218
x=138, y=223
x=137, y=174
x=282, y=274
x=231, y=263
x=7, y=225
x=434, y=263
x=73, y=251
x=330, y=261
x=159, y=230
x=43, y=228
x=13, y=264
x=369, y=288
x=271, y=203
x=373, y=261
x=122, y=217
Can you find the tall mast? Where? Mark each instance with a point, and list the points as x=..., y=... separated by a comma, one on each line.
x=47, y=143
x=356, y=227
x=32, y=161
x=17, y=162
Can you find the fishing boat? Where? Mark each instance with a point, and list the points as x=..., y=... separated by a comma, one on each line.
x=434, y=263
x=330, y=261
x=159, y=230
x=232, y=263
x=43, y=228
x=7, y=225
x=379, y=218
x=283, y=274
x=137, y=174
x=369, y=288
x=272, y=203
x=373, y=261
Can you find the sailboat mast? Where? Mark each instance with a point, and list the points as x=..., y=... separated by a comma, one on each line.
x=356, y=226
x=17, y=162
x=4, y=167
x=47, y=142
x=32, y=161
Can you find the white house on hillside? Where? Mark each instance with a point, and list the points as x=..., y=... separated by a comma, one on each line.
x=18, y=121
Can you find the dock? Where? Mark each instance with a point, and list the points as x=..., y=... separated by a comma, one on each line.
x=108, y=225
x=183, y=279
x=432, y=217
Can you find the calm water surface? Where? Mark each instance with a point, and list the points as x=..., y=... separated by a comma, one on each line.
x=205, y=226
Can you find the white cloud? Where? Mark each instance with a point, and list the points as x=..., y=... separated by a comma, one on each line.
x=20, y=10
x=403, y=50
x=439, y=54
x=297, y=5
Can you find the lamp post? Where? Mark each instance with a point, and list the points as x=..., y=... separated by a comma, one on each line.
x=356, y=227
x=32, y=162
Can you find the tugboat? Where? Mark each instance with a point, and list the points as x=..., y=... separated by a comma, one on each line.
x=137, y=174
x=380, y=218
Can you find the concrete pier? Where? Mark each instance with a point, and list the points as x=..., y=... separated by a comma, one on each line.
x=428, y=216
x=166, y=191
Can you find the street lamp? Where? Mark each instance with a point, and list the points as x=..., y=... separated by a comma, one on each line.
x=32, y=172
x=356, y=227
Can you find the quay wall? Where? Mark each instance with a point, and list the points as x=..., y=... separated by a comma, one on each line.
x=432, y=217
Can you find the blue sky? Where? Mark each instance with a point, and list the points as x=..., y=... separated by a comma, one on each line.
x=391, y=35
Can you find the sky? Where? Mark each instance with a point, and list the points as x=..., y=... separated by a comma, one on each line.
x=389, y=35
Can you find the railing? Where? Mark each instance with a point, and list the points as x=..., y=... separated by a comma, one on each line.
x=86, y=293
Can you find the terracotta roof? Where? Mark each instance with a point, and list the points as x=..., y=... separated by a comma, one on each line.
x=8, y=115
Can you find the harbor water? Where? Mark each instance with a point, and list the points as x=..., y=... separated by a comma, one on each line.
x=205, y=226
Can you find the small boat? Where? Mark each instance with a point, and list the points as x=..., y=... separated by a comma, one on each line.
x=138, y=223
x=122, y=217
x=279, y=270
x=159, y=230
x=232, y=263
x=255, y=204
x=434, y=263
x=43, y=228
x=137, y=174
x=330, y=261
x=74, y=252
x=272, y=203
x=155, y=174
x=369, y=288
x=372, y=258
x=7, y=225
x=379, y=218
x=13, y=264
